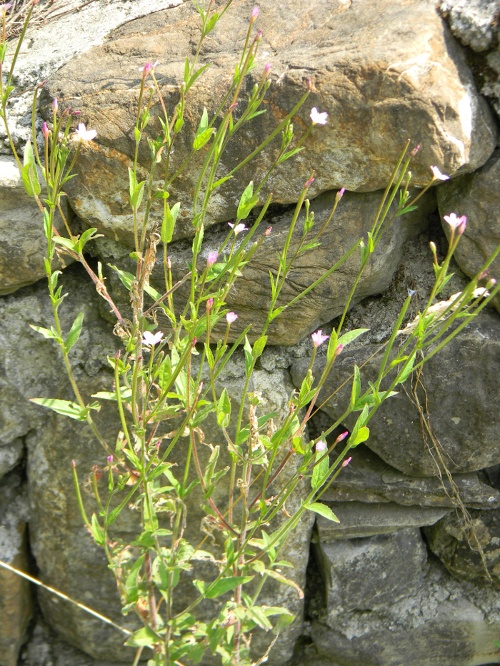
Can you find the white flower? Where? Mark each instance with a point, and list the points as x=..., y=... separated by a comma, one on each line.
x=83, y=134
x=455, y=222
x=437, y=175
x=317, y=117
x=150, y=339
x=237, y=228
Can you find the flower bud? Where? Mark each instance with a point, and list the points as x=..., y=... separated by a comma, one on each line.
x=45, y=130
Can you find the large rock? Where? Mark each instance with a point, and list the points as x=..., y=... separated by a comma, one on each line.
x=16, y=606
x=23, y=246
x=369, y=479
x=379, y=87
x=470, y=550
x=473, y=22
x=440, y=622
x=251, y=294
x=461, y=384
x=478, y=197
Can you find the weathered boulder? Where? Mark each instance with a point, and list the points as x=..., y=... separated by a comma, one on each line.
x=250, y=298
x=16, y=606
x=23, y=245
x=369, y=479
x=361, y=520
x=473, y=22
x=469, y=549
x=478, y=197
x=439, y=622
x=376, y=90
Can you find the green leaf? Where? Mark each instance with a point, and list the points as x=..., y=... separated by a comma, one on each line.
x=247, y=202
x=136, y=190
x=66, y=408
x=224, y=409
x=87, y=235
x=323, y=510
x=198, y=73
x=29, y=173
x=361, y=435
x=74, y=332
x=203, y=138
x=408, y=369
x=259, y=346
x=169, y=220
x=351, y=335
x=142, y=638
x=125, y=278
x=226, y=585
x=50, y=334
x=356, y=387
x=320, y=469
x=97, y=531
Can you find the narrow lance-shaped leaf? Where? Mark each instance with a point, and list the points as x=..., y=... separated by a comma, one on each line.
x=74, y=332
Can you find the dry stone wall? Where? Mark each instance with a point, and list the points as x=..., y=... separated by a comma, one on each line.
x=401, y=579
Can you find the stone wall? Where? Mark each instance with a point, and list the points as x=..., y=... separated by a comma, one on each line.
x=401, y=579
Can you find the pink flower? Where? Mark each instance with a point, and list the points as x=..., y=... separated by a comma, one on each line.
x=231, y=317
x=346, y=461
x=341, y=437
x=321, y=446
x=83, y=134
x=238, y=228
x=317, y=117
x=148, y=68
x=212, y=258
x=151, y=339
x=54, y=104
x=437, y=175
x=455, y=222
x=267, y=232
x=318, y=338
x=309, y=183
x=45, y=130
x=338, y=350
x=254, y=14
x=209, y=304
x=340, y=194
x=267, y=69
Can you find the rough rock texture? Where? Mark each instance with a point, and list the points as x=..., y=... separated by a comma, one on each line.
x=369, y=479
x=458, y=544
x=16, y=606
x=251, y=294
x=69, y=28
x=439, y=623
x=23, y=245
x=359, y=520
x=478, y=197
x=396, y=433
x=473, y=22
x=374, y=73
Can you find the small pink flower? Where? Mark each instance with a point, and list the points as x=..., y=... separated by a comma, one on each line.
x=110, y=459
x=317, y=117
x=212, y=258
x=340, y=194
x=437, y=175
x=415, y=150
x=267, y=232
x=308, y=183
x=346, y=461
x=267, y=69
x=338, y=350
x=341, y=437
x=254, y=14
x=45, y=130
x=321, y=446
x=318, y=338
x=231, y=317
x=209, y=304
x=83, y=134
x=238, y=228
x=148, y=68
x=150, y=339
x=54, y=104
x=456, y=223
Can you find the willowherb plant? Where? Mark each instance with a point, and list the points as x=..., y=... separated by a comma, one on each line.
x=167, y=383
